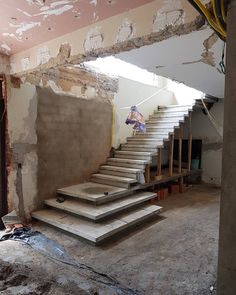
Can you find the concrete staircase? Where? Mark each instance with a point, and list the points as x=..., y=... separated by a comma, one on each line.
x=109, y=203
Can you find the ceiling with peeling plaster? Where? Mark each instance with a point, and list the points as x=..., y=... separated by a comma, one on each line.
x=26, y=23
x=192, y=59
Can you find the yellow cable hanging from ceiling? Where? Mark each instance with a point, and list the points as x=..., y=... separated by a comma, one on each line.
x=216, y=17
x=209, y=18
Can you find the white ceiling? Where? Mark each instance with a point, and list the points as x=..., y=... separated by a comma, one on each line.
x=167, y=59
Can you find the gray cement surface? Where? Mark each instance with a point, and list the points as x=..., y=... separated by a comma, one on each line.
x=172, y=255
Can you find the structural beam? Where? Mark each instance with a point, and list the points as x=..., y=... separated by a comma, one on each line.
x=226, y=282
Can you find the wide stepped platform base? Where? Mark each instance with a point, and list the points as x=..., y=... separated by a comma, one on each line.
x=94, y=192
x=96, y=232
x=97, y=213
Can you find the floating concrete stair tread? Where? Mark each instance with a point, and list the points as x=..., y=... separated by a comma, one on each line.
x=98, y=212
x=113, y=178
x=95, y=232
x=93, y=192
x=129, y=161
x=142, y=139
x=176, y=106
x=121, y=169
x=133, y=153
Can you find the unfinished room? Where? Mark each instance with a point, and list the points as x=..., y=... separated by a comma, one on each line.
x=117, y=147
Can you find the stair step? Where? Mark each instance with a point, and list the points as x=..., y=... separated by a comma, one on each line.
x=170, y=114
x=177, y=106
x=149, y=134
x=97, y=213
x=145, y=140
x=130, y=163
x=167, y=117
x=120, y=171
x=113, y=180
x=164, y=122
x=137, y=148
x=94, y=192
x=161, y=125
x=173, y=111
x=133, y=155
x=95, y=232
x=153, y=128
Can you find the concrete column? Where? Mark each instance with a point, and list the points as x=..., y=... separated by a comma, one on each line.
x=226, y=284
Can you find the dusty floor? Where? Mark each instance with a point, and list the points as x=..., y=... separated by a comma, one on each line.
x=172, y=255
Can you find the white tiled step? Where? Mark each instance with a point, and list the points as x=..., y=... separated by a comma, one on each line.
x=120, y=171
x=133, y=155
x=94, y=192
x=152, y=141
x=100, y=212
x=113, y=180
x=95, y=232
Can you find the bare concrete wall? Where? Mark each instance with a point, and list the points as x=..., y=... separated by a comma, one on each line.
x=74, y=138
x=212, y=143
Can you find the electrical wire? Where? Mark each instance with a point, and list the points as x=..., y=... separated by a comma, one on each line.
x=218, y=16
x=222, y=8
x=215, y=20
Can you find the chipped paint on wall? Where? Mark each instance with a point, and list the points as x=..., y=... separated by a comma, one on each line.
x=55, y=11
x=24, y=27
x=126, y=31
x=5, y=49
x=25, y=63
x=94, y=39
x=93, y=2
x=207, y=56
x=36, y=2
x=171, y=13
x=43, y=55
x=104, y=41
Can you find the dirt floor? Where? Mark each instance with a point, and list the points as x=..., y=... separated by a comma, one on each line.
x=175, y=254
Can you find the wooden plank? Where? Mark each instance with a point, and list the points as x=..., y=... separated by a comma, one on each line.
x=190, y=143
x=180, y=148
x=181, y=184
x=96, y=213
x=158, y=161
x=96, y=232
x=147, y=173
x=171, y=153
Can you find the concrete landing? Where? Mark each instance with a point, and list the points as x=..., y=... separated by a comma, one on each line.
x=96, y=213
x=95, y=232
x=94, y=192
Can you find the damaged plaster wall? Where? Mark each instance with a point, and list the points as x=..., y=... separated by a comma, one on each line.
x=4, y=64
x=74, y=138
x=212, y=142
x=131, y=93
x=60, y=132
x=22, y=179
x=131, y=29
